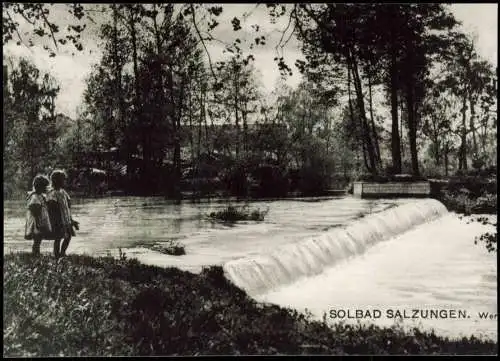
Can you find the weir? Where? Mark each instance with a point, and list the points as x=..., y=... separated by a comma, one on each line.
x=287, y=264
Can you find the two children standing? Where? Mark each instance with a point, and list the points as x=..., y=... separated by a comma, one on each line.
x=49, y=214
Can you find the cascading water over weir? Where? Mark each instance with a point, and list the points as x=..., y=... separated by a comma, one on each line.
x=263, y=273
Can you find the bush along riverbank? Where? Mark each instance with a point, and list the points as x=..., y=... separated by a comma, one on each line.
x=85, y=306
x=467, y=195
x=464, y=202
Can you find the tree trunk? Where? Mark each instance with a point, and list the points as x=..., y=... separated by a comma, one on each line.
x=412, y=121
x=190, y=119
x=236, y=113
x=472, y=126
x=207, y=133
x=395, y=138
x=178, y=160
x=78, y=145
x=135, y=61
x=437, y=152
x=412, y=132
x=118, y=83
x=137, y=99
x=353, y=122
x=176, y=116
x=365, y=158
x=446, y=159
x=374, y=129
x=484, y=135
x=328, y=126
x=401, y=132
x=436, y=137
x=361, y=107
x=463, y=136
x=201, y=119
x=245, y=127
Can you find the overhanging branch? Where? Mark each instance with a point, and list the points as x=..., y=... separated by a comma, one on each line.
x=40, y=8
x=202, y=41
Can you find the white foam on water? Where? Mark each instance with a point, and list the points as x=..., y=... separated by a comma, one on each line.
x=433, y=266
x=287, y=264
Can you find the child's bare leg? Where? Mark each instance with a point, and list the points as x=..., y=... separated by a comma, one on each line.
x=36, y=246
x=65, y=245
x=57, y=246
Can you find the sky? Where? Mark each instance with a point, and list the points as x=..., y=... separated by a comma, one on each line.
x=71, y=70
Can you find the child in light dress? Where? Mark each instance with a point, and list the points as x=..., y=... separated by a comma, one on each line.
x=59, y=203
x=38, y=226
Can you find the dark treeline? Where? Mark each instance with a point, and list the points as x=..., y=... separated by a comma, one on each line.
x=386, y=89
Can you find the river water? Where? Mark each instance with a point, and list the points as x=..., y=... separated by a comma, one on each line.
x=434, y=265
x=133, y=223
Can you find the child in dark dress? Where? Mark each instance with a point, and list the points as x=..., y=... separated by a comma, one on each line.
x=59, y=203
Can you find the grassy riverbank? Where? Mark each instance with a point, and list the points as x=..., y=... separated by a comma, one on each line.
x=102, y=306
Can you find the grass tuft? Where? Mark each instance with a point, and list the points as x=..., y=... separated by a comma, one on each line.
x=171, y=247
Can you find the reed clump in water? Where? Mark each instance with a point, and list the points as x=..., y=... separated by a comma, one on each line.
x=89, y=306
x=233, y=214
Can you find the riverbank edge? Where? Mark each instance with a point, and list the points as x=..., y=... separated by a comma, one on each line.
x=102, y=306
